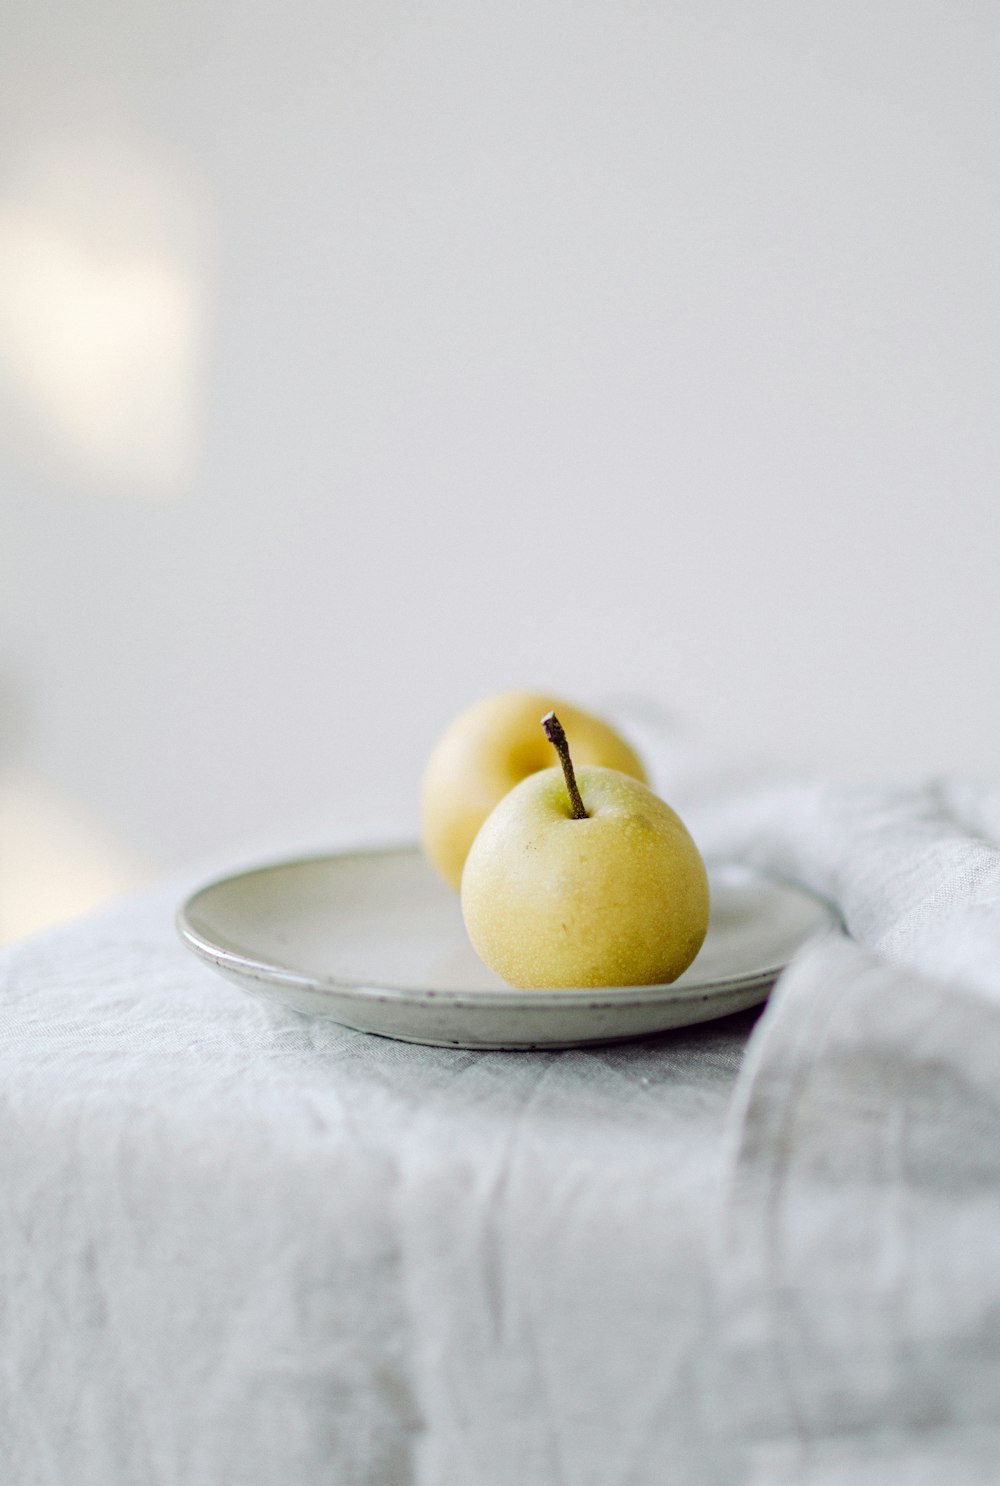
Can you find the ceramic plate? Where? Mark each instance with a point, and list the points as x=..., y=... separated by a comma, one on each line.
x=375, y=941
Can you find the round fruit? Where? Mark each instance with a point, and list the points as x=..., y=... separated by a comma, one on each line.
x=618, y=897
x=489, y=749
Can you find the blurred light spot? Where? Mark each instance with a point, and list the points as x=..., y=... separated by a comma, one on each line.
x=57, y=862
x=102, y=316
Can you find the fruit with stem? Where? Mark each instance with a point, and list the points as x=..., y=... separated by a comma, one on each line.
x=616, y=895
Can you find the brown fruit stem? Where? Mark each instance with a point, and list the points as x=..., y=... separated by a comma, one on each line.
x=557, y=737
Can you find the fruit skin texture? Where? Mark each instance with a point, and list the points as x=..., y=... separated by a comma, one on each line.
x=620, y=898
x=490, y=748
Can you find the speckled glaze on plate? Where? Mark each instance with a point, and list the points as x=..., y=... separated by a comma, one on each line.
x=375, y=941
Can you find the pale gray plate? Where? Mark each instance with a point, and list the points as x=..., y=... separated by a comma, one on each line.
x=375, y=941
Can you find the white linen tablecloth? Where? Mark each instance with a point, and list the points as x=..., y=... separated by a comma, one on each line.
x=238, y=1246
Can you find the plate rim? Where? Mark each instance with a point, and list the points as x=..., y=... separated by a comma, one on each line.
x=499, y=997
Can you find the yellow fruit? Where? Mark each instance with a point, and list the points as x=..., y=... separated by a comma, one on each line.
x=618, y=898
x=486, y=751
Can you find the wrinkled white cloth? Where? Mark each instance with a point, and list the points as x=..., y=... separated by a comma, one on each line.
x=241, y=1246
x=859, y=1250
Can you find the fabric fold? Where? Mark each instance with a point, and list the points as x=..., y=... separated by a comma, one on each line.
x=858, y=1253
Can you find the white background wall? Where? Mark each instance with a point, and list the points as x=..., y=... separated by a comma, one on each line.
x=360, y=358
